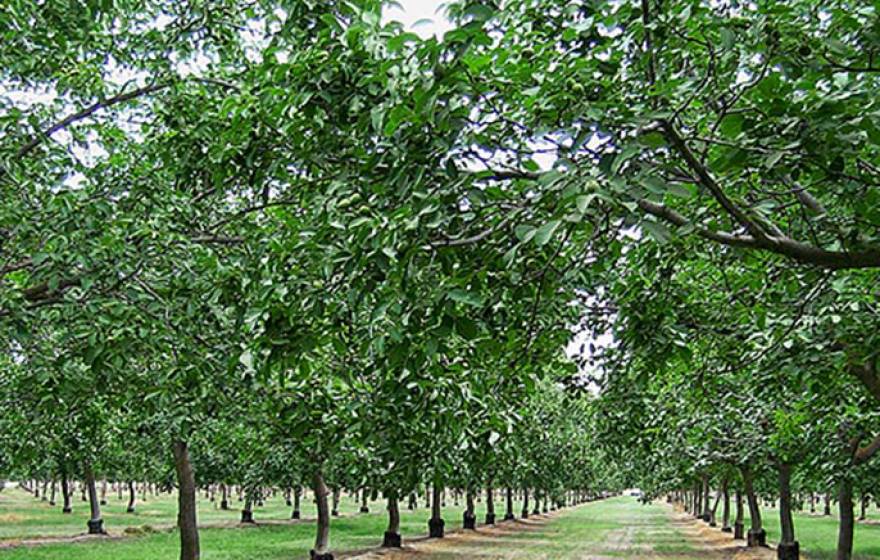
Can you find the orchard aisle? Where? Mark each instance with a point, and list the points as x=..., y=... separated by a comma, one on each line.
x=614, y=528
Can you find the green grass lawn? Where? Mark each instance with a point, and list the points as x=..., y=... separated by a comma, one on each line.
x=817, y=534
x=21, y=516
x=619, y=527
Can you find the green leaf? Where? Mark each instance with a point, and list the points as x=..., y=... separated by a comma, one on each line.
x=657, y=230
x=545, y=232
x=463, y=296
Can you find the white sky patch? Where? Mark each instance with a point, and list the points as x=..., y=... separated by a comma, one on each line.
x=414, y=13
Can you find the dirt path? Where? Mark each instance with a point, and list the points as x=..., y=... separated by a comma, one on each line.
x=661, y=535
x=461, y=543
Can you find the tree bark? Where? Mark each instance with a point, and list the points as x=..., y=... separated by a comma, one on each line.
x=436, y=523
x=335, y=509
x=525, y=509
x=470, y=518
x=322, y=533
x=297, y=496
x=95, y=523
x=65, y=491
x=392, y=534
x=725, y=507
x=756, y=536
x=224, y=497
x=365, y=496
x=738, y=524
x=490, y=504
x=788, y=548
x=132, y=497
x=707, y=499
x=847, y=523
x=714, y=511
x=187, y=522
x=508, y=514
x=247, y=512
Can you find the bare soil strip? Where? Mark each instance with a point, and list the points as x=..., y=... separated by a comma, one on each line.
x=459, y=539
x=699, y=541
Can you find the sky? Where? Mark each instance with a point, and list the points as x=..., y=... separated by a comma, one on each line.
x=412, y=12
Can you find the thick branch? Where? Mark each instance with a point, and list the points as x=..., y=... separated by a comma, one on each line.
x=708, y=181
x=862, y=454
x=38, y=138
x=801, y=252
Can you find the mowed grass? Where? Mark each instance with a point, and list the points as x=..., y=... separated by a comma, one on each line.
x=817, y=534
x=22, y=516
x=274, y=537
x=619, y=527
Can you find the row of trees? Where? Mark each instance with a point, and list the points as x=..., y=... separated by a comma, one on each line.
x=286, y=233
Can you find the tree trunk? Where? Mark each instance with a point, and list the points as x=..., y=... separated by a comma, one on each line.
x=224, y=497
x=65, y=491
x=365, y=497
x=104, y=492
x=132, y=497
x=707, y=500
x=322, y=533
x=812, y=502
x=95, y=523
x=52, y=495
x=508, y=514
x=297, y=496
x=757, y=536
x=725, y=507
x=247, y=512
x=187, y=522
x=536, y=509
x=863, y=506
x=392, y=534
x=490, y=504
x=738, y=524
x=413, y=501
x=119, y=491
x=335, y=509
x=46, y=490
x=847, y=523
x=788, y=548
x=827, y=510
x=470, y=517
x=525, y=509
x=436, y=523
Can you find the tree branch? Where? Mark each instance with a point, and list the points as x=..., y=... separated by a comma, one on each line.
x=38, y=138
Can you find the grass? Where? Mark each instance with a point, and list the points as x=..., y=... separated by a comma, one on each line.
x=817, y=534
x=619, y=527
x=21, y=516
